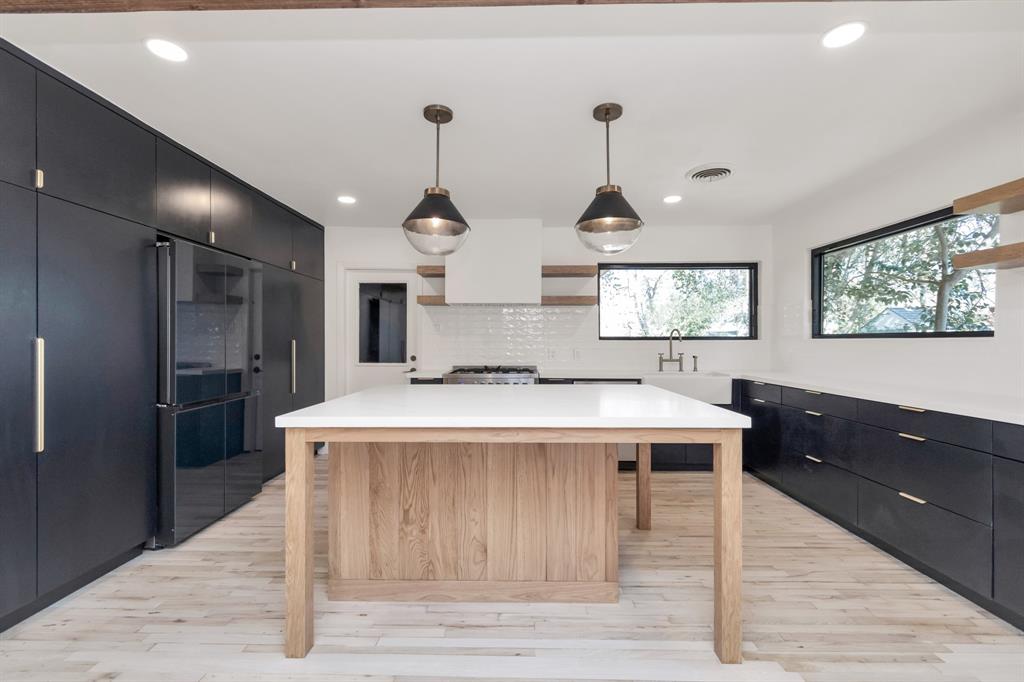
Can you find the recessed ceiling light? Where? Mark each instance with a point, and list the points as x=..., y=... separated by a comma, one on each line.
x=844, y=34
x=672, y=199
x=346, y=199
x=165, y=49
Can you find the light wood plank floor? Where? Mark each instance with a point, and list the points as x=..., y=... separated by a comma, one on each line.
x=819, y=604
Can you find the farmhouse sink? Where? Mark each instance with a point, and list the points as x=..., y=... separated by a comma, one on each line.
x=711, y=387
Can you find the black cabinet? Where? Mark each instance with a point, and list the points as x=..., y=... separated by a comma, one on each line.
x=1008, y=440
x=761, y=442
x=681, y=456
x=17, y=459
x=946, y=543
x=948, y=476
x=948, y=428
x=93, y=156
x=827, y=438
x=825, y=487
x=762, y=391
x=272, y=232
x=308, y=324
x=1008, y=534
x=308, y=248
x=275, y=377
x=98, y=313
x=432, y=380
x=17, y=121
x=816, y=401
x=231, y=211
x=182, y=193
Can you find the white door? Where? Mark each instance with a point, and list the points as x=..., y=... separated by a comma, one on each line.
x=380, y=322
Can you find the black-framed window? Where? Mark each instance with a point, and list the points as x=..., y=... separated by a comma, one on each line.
x=899, y=281
x=639, y=301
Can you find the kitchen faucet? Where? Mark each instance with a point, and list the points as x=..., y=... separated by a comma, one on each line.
x=675, y=333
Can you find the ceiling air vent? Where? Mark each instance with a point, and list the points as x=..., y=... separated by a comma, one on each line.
x=712, y=173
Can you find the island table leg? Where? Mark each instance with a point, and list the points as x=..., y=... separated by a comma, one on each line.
x=728, y=492
x=298, y=544
x=643, y=486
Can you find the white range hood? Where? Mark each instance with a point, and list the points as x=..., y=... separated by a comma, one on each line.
x=499, y=263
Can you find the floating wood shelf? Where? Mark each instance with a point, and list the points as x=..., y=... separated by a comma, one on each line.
x=544, y=300
x=545, y=270
x=1001, y=258
x=1006, y=198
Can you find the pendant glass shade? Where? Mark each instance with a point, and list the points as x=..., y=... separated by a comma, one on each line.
x=435, y=227
x=609, y=225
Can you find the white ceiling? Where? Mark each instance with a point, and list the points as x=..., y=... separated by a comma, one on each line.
x=311, y=104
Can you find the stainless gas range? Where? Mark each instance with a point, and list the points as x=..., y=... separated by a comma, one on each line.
x=485, y=374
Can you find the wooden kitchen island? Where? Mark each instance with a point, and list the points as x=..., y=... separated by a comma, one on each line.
x=491, y=493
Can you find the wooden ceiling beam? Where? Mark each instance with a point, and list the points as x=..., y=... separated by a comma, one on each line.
x=85, y=6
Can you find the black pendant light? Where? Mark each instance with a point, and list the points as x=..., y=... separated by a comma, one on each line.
x=609, y=225
x=435, y=227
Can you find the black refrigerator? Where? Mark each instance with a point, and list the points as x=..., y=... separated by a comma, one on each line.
x=209, y=384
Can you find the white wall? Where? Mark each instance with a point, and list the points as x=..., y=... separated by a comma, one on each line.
x=912, y=182
x=552, y=337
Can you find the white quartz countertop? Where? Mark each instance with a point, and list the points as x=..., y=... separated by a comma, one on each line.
x=572, y=373
x=531, y=406
x=1005, y=408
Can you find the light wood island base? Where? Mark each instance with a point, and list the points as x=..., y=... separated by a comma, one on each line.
x=474, y=514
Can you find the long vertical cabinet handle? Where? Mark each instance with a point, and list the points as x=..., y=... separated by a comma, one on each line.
x=294, y=369
x=40, y=396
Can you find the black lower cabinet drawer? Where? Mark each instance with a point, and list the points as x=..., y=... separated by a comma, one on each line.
x=947, y=476
x=680, y=456
x=829, y=489
x=761, y=390
x=761, y=440
x=1008, y=528
x=1008, y=440
x=825, y=403
x=949, y=544
x=820, y=435
x=949, y=428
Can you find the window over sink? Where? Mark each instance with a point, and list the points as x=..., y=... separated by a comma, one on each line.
x=899, y=281
x=701, y=300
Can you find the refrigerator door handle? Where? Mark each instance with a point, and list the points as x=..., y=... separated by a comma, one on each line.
x=39, y=397
x=294, y=370
x=165, y=336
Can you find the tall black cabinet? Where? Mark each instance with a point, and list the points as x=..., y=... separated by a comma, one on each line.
x=293, y=307
x=85, y=191
x=97, y=471
x=17, y=459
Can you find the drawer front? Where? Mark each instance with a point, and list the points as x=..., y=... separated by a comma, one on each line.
x=948, y=428
x=829, y=488
x=762, y=390
x=947, y=476
x=1008, y=440
x=825, y=403
x=952, y=545
x=430, y=380
x=808, y=432
x=1008, y=530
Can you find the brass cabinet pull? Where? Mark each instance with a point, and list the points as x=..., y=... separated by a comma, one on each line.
x=812, y=413
x=757, y=400
x=40, y=396
x=38, y=178
x=813, y=459
x=293, y=265
x=212, y=237
x=759, y=383
x=911, y=409
x=912, y=437
x=294, y=369
x=807, y=390
x=908, y=496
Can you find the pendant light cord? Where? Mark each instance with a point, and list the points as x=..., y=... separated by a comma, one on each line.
x=607, y=151
x=437, y=151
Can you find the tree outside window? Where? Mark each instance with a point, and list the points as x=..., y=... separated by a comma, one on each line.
x=903, y=283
